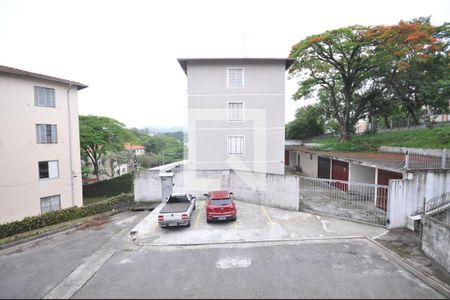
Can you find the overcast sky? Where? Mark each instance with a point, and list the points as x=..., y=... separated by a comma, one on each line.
x=126, y=51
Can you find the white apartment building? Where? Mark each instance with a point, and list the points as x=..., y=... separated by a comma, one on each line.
x=39, y=144
x=236, y=109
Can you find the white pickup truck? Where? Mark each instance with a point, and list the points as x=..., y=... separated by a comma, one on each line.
x=177, y=210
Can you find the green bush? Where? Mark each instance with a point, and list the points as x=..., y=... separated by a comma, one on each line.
x=64, y=215
x=110, y=187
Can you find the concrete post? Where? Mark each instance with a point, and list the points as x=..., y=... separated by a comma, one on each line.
x=444, y=158
x=407, y=160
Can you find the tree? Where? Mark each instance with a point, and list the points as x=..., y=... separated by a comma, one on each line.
x=99, y=135
x=348, y=68
x=417, y=73
x=308, y=122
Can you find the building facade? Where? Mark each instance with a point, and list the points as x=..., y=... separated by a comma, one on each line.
x=39, y=144
x=236, y=110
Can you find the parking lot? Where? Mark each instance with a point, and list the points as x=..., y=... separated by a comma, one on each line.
x=266, y=253
x=254, y=223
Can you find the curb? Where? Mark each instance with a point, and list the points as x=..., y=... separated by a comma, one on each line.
x=432, y=281
x=51, y=232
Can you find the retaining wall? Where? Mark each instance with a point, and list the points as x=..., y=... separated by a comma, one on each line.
x=408, y=196
x=436, y=241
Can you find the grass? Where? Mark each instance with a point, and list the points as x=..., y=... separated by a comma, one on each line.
x=436, y=138
x=90, y=200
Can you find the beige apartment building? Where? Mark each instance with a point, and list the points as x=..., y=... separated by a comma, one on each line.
x=39, y=144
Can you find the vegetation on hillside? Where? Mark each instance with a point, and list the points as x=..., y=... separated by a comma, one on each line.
x=434, y=138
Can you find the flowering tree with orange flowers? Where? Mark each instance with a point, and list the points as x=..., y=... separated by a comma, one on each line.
x=358, y=70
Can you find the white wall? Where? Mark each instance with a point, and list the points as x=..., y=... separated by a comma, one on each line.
x=309, y=164
x=147, y=186
x=266, y=189
x=20, y=186
x=407, y=196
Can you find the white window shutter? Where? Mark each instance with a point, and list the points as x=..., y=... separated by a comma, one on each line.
x=53, y=169
x=54, y=134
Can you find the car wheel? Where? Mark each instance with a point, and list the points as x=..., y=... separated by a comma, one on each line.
x=207, y=220
x=189, y=224
x=195, y=205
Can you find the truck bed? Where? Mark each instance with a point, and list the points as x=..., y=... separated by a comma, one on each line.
x=171, y=208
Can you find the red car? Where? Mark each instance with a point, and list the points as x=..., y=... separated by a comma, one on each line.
x=220, y=206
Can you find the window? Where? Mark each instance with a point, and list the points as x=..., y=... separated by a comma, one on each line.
x=235, y=111
x=44, y=96
x=46, y=134
x=48, y=169
x=236, y=144
x=235, y=77
x=50, y=203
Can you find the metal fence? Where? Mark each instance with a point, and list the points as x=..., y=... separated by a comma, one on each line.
x=350, y=200
x=427, y=159
x=437, y=204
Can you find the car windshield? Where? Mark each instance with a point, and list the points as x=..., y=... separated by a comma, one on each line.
x=220, y=202
x=178, y=199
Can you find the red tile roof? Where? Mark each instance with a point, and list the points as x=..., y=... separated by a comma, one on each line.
x=13, y=71
x=133, y=147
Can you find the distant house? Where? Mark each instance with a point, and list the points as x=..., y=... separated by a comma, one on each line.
x=116, y=164
x=236, y=109
x=135, y=149
x=39, y=144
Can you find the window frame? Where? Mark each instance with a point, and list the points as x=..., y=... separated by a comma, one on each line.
x=44, y=103
x=228, y=78
x=51, y=206
x=229, y=111
x=242, y=146
x=47, y=134
x=48, y=169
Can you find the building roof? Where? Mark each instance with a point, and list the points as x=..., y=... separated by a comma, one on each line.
x=22, y=73
x=183, y=61
x=389, y=161
x=133, y=147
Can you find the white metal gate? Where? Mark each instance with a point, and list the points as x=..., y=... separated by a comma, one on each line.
x=363, y=202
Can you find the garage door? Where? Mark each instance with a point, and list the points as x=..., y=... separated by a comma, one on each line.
x=339, y=171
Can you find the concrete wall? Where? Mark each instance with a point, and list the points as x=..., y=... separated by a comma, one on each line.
x=263, y=125
x=436, y=241
x=21, y=188
x=198, y=182
x=266, y=189
x=147, y=186
x=309, y=164
x=407, y=196
x=444, y=217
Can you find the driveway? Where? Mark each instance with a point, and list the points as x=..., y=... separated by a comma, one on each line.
x=254, y=223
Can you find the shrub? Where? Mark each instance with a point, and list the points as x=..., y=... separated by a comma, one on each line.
x=110, y=187
x=64, y=215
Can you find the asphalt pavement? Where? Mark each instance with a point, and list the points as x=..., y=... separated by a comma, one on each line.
x=267, y=253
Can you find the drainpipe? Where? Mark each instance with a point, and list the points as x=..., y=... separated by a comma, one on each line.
x=70, y=145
